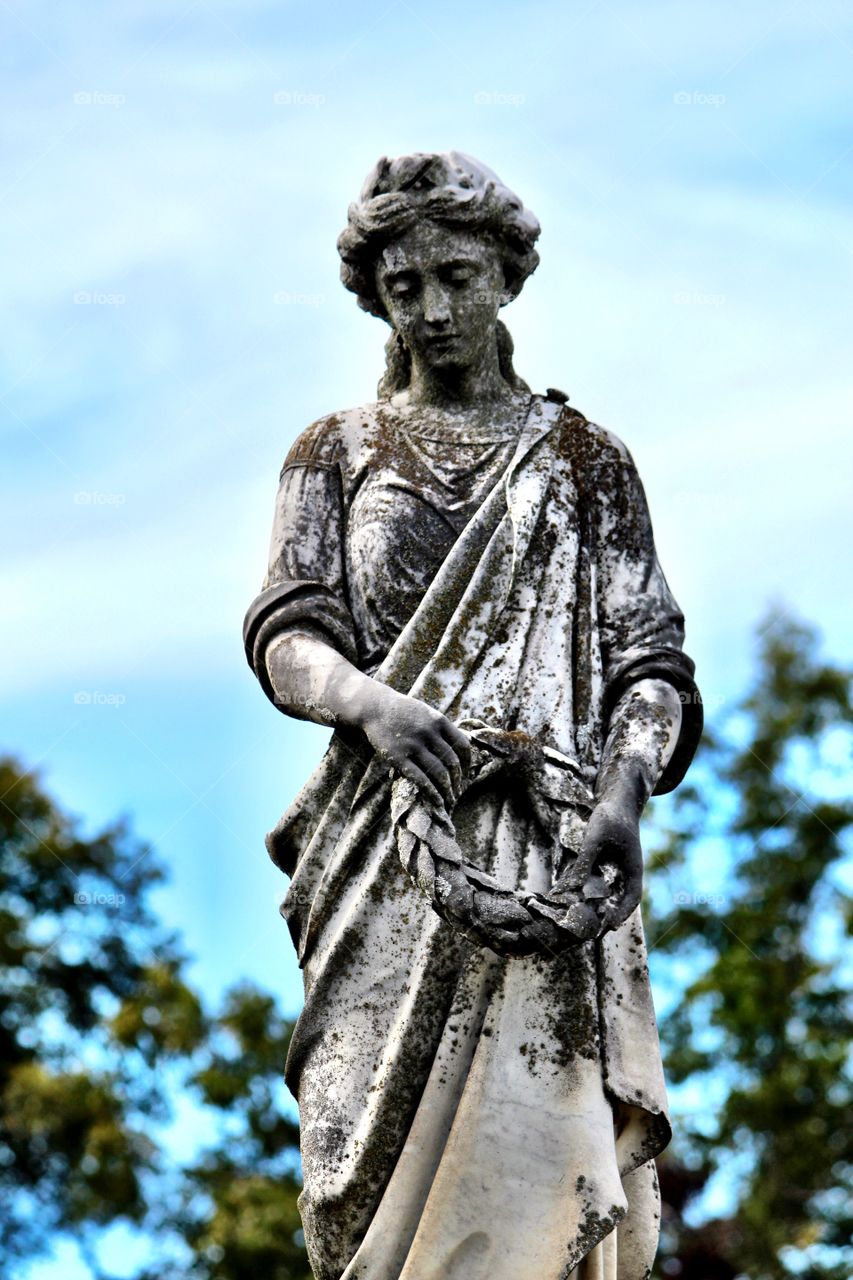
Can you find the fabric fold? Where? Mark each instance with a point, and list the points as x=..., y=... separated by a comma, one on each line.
x=435, y=1081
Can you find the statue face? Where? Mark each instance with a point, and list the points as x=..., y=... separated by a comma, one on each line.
x=442, y=290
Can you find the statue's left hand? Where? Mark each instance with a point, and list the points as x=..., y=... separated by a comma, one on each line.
x=612, y=839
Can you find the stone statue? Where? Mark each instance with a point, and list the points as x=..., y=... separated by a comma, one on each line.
x=463, y=583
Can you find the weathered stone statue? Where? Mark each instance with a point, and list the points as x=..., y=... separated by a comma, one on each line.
x=463, y=582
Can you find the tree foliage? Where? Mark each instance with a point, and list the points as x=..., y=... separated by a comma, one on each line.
x=99, y=1034
x=761, y=1031
x=245, y=1220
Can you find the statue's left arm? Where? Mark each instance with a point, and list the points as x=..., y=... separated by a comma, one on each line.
x=652, y=709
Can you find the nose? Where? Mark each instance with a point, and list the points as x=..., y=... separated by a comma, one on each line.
x=436, y=304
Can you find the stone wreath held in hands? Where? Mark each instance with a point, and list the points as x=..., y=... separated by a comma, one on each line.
x=463, y=583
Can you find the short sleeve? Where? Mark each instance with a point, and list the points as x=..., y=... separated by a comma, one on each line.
x=640, y=625
x=304, y=588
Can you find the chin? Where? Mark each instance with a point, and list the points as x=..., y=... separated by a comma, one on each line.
x=449, y=361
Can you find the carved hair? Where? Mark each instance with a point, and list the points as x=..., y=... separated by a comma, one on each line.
x=448, y=188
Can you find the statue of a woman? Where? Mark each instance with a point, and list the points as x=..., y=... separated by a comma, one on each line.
x=463, y=582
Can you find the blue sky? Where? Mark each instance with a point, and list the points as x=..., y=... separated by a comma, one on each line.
x=175, y=177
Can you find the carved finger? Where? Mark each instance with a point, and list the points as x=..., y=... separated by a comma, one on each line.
x=411, y=771
x=450, y=760
x=576, y=876
x=616, y=914
x=439, y=774
x=458, y=740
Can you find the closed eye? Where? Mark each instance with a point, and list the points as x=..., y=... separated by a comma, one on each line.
x=404, y=285
x=457, y=273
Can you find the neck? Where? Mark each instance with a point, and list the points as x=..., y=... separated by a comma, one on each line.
x=459, y=388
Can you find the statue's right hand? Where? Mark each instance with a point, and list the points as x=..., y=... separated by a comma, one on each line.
x=417, y=741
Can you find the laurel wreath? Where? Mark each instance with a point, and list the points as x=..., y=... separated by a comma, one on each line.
x=511, y=922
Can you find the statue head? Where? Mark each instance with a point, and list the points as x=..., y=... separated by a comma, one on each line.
x=448, y=214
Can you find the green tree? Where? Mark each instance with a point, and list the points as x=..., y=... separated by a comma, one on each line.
x=98, y=1033
x=240, y=1215
x=77, y=940
x=762, y=1028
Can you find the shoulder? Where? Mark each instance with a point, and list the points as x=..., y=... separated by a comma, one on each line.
x=593, y=452
x=333, y=440
x=605, y=477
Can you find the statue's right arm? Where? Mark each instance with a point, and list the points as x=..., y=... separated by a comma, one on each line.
x=313, y=681
x=300, y=633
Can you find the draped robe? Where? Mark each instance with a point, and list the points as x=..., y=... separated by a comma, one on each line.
x=465, y=1115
